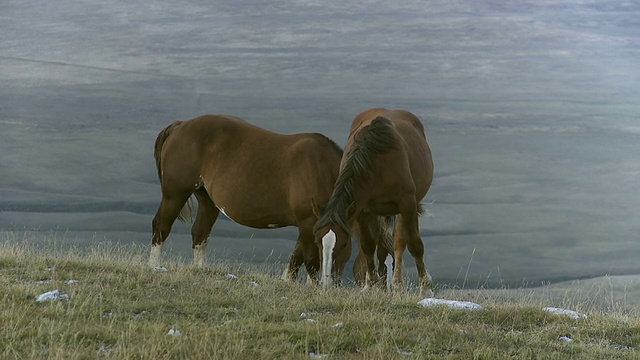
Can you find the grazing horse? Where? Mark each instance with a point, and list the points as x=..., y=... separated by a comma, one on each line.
x=255, y=177
x=386, y=170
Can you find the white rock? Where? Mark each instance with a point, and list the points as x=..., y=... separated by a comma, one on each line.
x=104, y=347
x=52, y=295
x=230, y=275
x=565, y=339
x=313, y=355
x=560, y=311
x=454, y=304
x=159, y=268
x=174, y=332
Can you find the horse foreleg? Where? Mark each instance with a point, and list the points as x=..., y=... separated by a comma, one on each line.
x=310, y=252
x=296, y=259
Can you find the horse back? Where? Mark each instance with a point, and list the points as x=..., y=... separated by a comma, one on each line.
x=258, y=176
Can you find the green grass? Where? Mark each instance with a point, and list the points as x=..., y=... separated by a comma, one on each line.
x=121, y=309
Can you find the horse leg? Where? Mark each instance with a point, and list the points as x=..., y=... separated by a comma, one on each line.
x=399, y=244
x=368, y=248
x=168, y=211
x=206, y=217
x=416, y=249
x=312, y=262
x=310, y=251
x=360, y=268
x=296, y=259
x=384, y=268
x=360, y=263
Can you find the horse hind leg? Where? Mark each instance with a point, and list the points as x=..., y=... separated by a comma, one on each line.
x=201, y=228
x=169, y=209
x=416, y=249
x=368, y=243
x=399, y=245
x=360, y=262
x=385, y=266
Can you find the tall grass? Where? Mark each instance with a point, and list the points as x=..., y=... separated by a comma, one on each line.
x=121, y=309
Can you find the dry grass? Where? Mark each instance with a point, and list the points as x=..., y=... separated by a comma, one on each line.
x=121, y=309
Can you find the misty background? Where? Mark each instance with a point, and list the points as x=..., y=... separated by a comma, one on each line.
x=530, y=107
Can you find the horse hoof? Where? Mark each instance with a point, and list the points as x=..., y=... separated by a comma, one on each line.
x=428, y=293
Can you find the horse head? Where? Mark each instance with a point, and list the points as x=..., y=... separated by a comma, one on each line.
x=333, y=237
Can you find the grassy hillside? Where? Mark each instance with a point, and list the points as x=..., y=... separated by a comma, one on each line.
x=119, y=308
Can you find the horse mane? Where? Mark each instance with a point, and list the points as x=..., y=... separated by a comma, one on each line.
x=379, y=137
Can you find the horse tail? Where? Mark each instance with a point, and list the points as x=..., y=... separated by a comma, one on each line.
x=385, y=242
x=160, y=139
x=387, y=224
x=186, y=212
x=378, y=137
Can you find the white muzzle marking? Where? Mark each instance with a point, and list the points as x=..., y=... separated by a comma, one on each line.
x=328, y=243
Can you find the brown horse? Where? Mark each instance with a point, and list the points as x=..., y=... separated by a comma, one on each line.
x=386, y=170
x=255, y=177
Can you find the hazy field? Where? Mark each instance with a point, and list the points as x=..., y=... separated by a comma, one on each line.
x=530, y=107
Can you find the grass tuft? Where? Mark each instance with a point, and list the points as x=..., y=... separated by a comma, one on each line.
x=119, y=308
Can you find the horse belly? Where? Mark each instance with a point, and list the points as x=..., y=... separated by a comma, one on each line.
x=254, y=212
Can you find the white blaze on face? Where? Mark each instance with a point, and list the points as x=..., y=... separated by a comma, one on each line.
x=328, y=243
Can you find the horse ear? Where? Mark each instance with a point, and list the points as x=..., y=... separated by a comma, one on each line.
x=314, y=208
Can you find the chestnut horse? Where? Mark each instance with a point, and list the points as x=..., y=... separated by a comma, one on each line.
x=386, y=170
x=255, y=177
